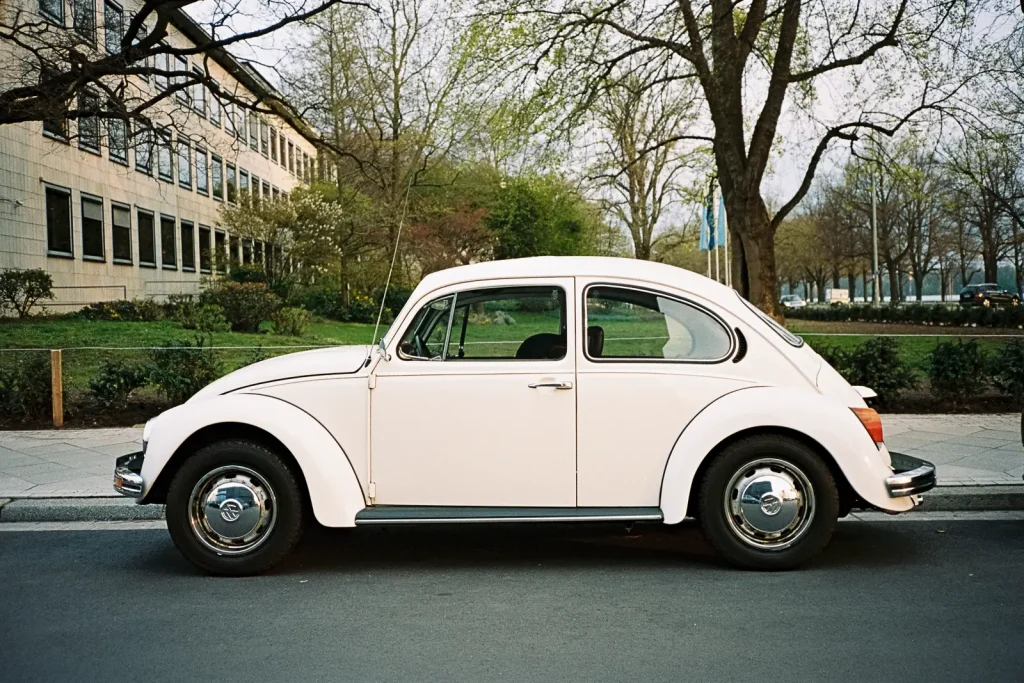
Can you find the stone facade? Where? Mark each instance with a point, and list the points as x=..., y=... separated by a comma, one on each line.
x=112, y=199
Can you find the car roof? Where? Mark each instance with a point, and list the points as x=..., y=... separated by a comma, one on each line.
x=581, y=266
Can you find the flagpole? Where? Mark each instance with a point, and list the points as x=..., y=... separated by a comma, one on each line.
x=728, y=268
x=718, y=274
x=709, y=264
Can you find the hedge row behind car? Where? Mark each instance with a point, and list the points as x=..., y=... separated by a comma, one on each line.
x=920, y=314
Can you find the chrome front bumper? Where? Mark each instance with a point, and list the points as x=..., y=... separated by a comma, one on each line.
x=127, y=474
x=911, y=476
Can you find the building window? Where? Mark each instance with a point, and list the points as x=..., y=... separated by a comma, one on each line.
x=204, y=249
x=291, y=157
x=202, y=177
x=147, y=239
x=113, y=27
x=254, y=131
x=255, y=187
x=231, y=184
x=273, y=145
x=184, y=94
x=246, y=251
x=164, y=162
x=217, y=177
x=220, y=251
x=168, y=247
x=88, y=126
x=233, y=249
x=184, y=164
x=199, y=91
x=121, y=232
x=307, y=168
x=240, y=123
x=144, y=151
x=92, y=228
x=52, y=9
x=274, y=194
x=266, y=190
x=243, y=181
x=58, y=221
x=163, y=63
x=83, y=13
x=257, y=252
x=188, y=247
x=264, y=138
x=117, y=140
x=215, y=105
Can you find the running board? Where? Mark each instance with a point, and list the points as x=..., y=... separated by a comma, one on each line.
x=430, y=514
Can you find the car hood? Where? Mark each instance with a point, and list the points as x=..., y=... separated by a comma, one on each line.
x=338, y=360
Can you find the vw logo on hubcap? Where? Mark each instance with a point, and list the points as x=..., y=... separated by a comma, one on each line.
x=771, y=505
x=231, y=510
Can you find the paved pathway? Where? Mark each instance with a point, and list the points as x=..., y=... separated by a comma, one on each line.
x=970, y=450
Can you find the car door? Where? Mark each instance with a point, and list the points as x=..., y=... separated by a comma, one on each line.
x=476, y=404
x=649, y=362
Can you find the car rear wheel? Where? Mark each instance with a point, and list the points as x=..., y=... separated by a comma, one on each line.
x=768, y=502
x=234, y=508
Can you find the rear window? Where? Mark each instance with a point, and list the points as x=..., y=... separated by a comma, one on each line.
x=788, y=336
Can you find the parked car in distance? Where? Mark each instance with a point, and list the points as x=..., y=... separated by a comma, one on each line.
x=551, y=389
x=792, y=301
x=987, y=294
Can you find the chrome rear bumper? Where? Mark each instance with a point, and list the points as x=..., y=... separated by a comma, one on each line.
x=911, y=476
x=127, y=475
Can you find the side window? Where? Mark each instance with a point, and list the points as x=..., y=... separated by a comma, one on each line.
x=509, y=323
x=634, y=324
x=425, y=336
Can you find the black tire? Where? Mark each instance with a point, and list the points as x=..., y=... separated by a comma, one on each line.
x=284, y=531
x=740, y=456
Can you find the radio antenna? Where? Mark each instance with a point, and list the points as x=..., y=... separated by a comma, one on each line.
x=394, y=257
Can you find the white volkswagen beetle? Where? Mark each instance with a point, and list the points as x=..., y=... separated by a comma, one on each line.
x=544, y=389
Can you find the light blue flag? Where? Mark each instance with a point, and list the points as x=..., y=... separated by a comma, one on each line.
x=709, y=214
x=704, y=230
x=721, y=219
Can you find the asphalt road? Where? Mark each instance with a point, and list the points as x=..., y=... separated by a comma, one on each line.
x=888, y=601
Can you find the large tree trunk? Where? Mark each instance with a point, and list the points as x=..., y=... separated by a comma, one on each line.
x=894, y=283
x=755, y=254
x=851, y=281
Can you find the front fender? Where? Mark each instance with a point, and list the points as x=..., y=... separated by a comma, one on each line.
x=334, y=490
x=826, y=421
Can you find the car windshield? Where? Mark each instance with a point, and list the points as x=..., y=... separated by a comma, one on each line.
x=788, y=336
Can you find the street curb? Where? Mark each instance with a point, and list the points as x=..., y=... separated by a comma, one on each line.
x=116, y=509
x=107, y=509
x=967, y=498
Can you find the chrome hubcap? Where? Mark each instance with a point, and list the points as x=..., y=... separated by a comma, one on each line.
x=769, y=504
x=232, y=510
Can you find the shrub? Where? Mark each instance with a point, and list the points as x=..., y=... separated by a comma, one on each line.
x=247, y=272
x=926, y=314
x=25, y=387
x=136, y=310
x=957, y=370
x=183, y=368
x=394, y=300
x=207, y=318
x=363, y=309
x=322, y=300
x=21, y=289
x=291, y=321
x=245, y=304
x=877, y=364
x=115, y=382
x=838, y=358
x=1008, y=369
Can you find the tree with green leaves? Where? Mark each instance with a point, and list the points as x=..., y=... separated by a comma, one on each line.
x=755, y=61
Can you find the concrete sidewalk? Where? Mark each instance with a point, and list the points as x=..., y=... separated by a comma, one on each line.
x=971, y=452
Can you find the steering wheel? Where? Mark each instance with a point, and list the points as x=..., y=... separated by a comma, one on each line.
x=421, y=348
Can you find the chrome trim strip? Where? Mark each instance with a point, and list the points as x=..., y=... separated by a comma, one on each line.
x=460, y=520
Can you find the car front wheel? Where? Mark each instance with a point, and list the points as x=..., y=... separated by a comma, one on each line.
x=768, y=502
x=234, y=508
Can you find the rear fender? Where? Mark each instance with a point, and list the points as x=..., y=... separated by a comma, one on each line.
x=828, y=423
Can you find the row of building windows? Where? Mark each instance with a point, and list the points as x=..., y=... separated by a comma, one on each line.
x=154, y=232
x=250, y=128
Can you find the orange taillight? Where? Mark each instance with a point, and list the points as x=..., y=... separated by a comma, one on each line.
x=871, y=421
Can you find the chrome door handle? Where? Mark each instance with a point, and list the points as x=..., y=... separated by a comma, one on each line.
x=553, y=385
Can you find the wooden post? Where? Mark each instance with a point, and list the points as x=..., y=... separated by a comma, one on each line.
x=57, y=387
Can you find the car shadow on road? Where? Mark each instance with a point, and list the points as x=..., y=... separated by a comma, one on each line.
x=529, y=546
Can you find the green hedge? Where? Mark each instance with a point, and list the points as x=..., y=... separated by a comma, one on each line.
x=920, y=314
